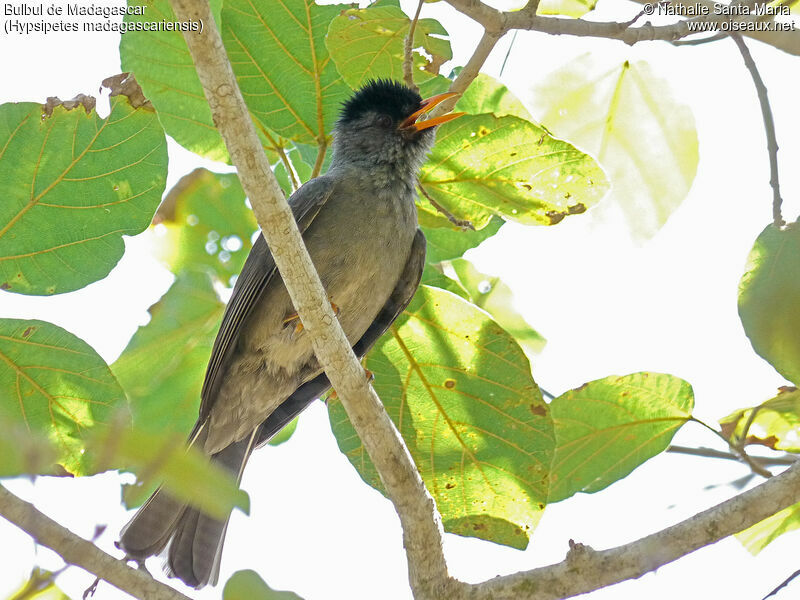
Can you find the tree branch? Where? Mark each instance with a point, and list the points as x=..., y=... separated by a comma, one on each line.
x=82, y=553
x=498, y=22
x=585, y=570
x=422, y=534
x=769, y=129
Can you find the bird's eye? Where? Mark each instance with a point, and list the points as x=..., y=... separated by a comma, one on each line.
x=384, y=120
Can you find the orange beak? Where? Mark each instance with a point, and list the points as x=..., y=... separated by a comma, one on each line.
x=427, y=105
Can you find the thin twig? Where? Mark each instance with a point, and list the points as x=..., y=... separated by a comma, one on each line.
x=82, y=553
x=785, y=582
x=323, y=148
x=769, y=128
x=508, y=53
x=754, y=466
x=408, y=54
x=701, y=41
x=461, y=223
x=771, y=461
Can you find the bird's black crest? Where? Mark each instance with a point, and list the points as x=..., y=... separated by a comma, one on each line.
x=384, y=96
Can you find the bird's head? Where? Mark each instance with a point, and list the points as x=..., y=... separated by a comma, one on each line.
x=383, y=124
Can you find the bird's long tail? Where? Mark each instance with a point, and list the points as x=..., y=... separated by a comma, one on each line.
x=195, y=539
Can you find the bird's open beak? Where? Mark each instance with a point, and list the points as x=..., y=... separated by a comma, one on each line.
x=427, y=106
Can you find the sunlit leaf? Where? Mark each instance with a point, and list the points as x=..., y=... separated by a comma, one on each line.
x=278, y=53
x=495, y=297
x=487, y=95
x=483, y=165
x=72, y=184
x=25, y=452
x=208, y=224
x=369, y=43
x=775, y=424
x=284, y=434
x=162, y=367
x=460, y=391
x=445, y=243
x=41, y=585
x=769, y=296
x=608, y=427
x=161, y=62
x=163, y=457
x=568, y=8
x=248, y=585
x=55, y=385
x=630, y=120
x=760, y=535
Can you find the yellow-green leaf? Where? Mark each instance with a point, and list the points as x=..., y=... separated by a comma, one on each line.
x=608, y=427
x=760, y=535
x=774, y=423
x=629, y=119
x=483, y=165
x=72, y=184
x=55, y=385
x=769, y=296
x=248, y=585
x=460, y=391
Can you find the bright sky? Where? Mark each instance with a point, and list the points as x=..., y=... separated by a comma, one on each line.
x=606, y=304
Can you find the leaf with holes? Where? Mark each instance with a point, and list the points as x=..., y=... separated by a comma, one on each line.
x=608, y=427
x=629, y=119
x=72, y=185
x=459, y=389
x=369, y=43
x=774, y=423
x=769, y=294
x=208, y=224
x=762, y=534
x=164, y=363
x=483, y=165
x=278, y=54
x=161, y=62
x=55, y=385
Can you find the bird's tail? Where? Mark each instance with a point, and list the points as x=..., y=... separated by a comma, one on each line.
x=195, y=539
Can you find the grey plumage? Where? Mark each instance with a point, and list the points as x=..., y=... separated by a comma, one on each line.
x=359, y=224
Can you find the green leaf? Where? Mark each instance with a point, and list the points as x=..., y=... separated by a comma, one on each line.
x=185, y=472
x=208, y=223
x=248, y=585
x=760, y=535
x=161, y=62
x=162, y=367
x=487, y=95
x=284, y=434
x=432, y=275
x=769, y=294
x=483, y=165
x=460, y=391
x=72, y=185
x=608, y=427
x=631, y=122
x=775, y=424
x=445, y=243
x=55, y=385
x=492, y=295
x=277, y=50
x=302, y=169
x=369, y=43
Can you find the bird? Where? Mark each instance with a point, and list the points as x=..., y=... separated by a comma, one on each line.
x=359, y=224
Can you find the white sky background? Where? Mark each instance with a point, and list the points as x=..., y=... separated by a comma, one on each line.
x=606, y=305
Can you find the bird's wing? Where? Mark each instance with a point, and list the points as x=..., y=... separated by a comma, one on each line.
x=258, y=270
x=396, y=304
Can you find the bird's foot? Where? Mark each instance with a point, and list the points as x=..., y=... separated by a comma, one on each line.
x=295, y=318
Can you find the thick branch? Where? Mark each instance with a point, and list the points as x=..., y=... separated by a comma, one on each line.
x=421, y=528
x=82, y=553
x=585, y=570
x=769, y=129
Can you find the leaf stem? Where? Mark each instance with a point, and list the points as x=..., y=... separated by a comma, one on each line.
x=323, y=148
x=408, y=56
x=751, y=462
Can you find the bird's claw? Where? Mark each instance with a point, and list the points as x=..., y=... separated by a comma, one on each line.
x=298, y=327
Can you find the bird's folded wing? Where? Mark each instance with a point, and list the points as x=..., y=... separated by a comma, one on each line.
x=396, y=304
x=258, y=270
